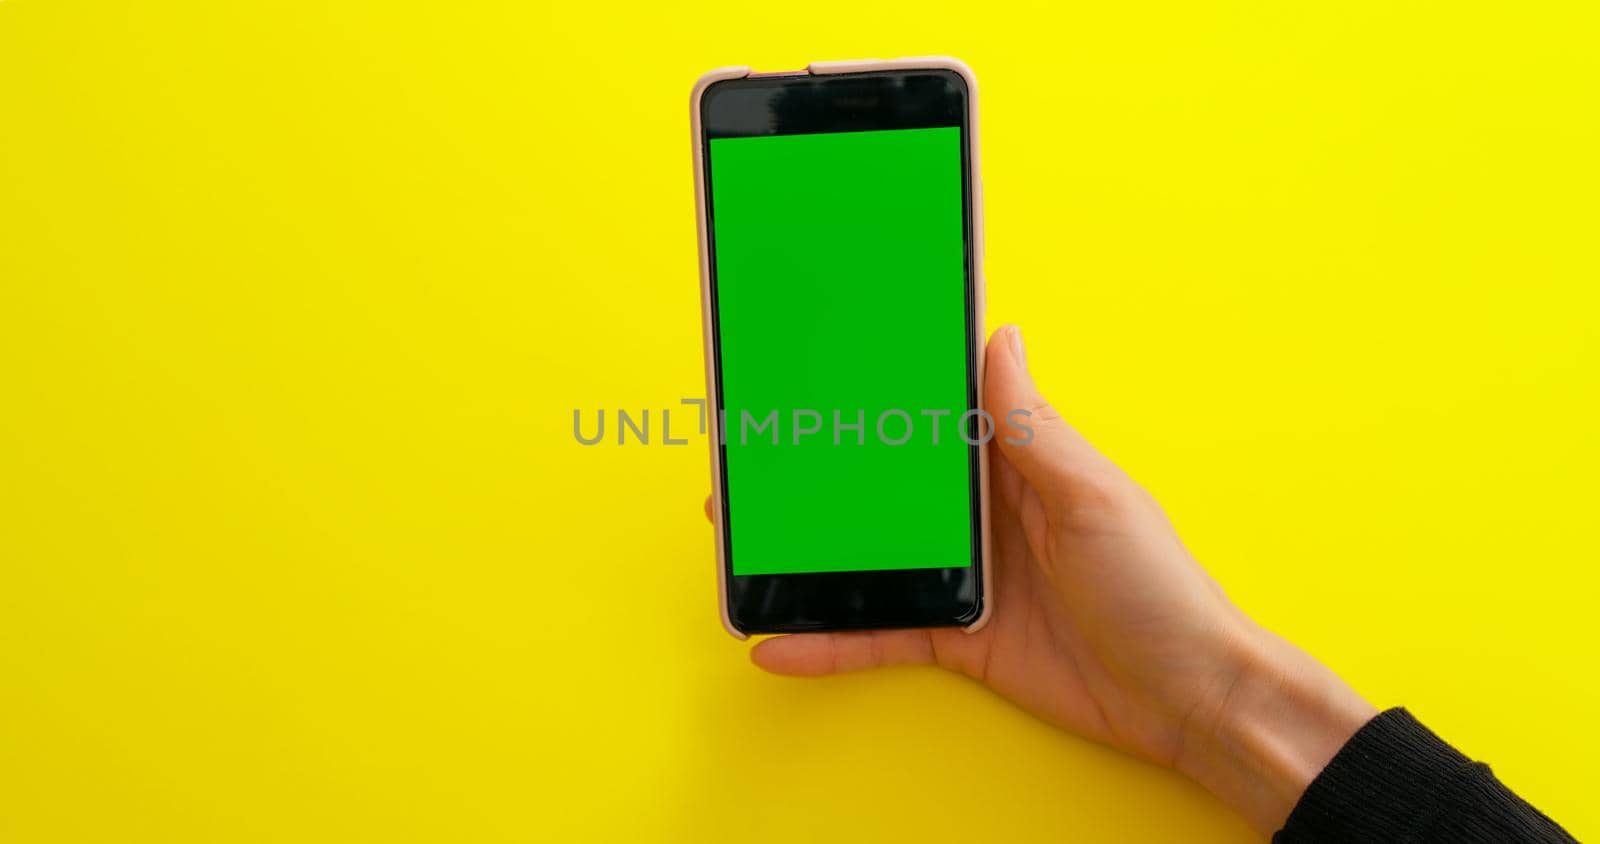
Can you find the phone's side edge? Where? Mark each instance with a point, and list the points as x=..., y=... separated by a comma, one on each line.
x=978, y=332
x=713, y=399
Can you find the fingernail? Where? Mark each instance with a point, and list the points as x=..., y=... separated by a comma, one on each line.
x=1016, y=344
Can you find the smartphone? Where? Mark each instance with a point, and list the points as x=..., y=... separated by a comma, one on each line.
x=841, y=280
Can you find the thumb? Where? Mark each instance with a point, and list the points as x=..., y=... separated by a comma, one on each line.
x=1051, y=455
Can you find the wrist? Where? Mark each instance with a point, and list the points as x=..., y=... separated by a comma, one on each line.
x=1277, y=720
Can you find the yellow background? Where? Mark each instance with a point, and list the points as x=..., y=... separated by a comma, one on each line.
x=297, y=301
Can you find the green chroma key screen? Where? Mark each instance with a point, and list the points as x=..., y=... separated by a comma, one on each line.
x=840, y=289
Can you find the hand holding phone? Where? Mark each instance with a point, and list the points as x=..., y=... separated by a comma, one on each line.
x=1107, y=627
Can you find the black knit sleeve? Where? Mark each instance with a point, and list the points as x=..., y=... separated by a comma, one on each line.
x=1396, y=782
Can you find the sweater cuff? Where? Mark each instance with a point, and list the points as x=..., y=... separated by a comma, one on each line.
x=1385, y=784
x=1395, y=781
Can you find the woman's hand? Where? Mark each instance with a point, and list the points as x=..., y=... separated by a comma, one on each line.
x=1106, y=626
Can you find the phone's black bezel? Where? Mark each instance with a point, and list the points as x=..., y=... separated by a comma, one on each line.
x=852, y=102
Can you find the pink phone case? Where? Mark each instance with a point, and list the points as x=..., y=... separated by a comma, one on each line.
x=713, y=400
